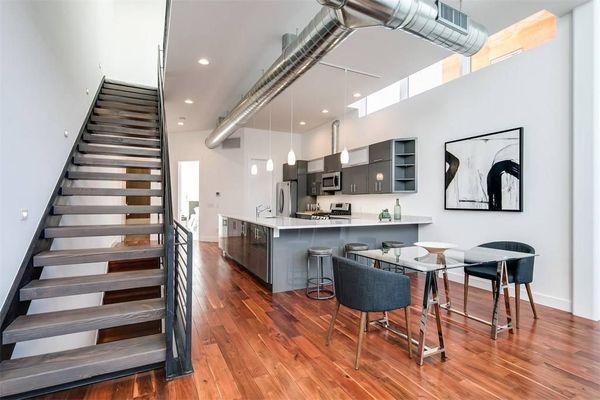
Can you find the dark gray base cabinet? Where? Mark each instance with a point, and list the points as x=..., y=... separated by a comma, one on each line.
x=249, y=245
x=355, y=180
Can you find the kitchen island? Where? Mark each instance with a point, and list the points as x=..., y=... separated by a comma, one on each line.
x=274, y=248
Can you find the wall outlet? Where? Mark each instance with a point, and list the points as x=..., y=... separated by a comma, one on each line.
x=24, y=214
x=87, y=91
x=66, y=133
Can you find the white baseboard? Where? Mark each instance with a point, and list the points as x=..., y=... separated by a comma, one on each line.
x=539, y=298
x=209, y=239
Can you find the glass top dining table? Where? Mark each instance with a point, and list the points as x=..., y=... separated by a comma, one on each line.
x=418, y=259
x=414, y=258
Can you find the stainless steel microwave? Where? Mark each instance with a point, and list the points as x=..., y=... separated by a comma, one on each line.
x=331, y=181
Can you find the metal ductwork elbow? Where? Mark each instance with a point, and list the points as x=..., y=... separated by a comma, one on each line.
x=436, y=23
x=335, y=136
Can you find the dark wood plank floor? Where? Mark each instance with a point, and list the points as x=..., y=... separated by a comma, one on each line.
x=249, y=344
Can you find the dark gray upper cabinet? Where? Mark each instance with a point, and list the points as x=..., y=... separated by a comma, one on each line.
x=291, y=172
x=313, y=184
x=381, y=151
x=355, y=180
x=380, y=177
x=332, y=163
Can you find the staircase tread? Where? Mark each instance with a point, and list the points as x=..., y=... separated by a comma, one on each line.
x=117, y=105
x=35, y=372
x=113, y=176
x=123, y=131
x=130, y=100
x=78, y=256
x=92, y=209
x=55, y=323
x=134, y=89
x=121, y=140
x=119, y=150
x=127, y=93
x=128, y=84
x=101, y=230
x=116, y=162
x=107, y=112
x=120, y=121
x=44, y=288
x=99, y=191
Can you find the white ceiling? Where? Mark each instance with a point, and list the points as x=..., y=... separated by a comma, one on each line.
x=243, y=37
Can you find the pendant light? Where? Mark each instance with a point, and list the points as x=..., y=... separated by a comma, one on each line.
x=291, y=158
x=270, y=160
x=344, y=155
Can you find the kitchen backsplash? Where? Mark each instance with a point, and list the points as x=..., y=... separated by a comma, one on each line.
x=371, y=204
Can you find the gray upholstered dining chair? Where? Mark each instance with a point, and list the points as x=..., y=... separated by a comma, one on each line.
x=368, y=289
x=519, y=272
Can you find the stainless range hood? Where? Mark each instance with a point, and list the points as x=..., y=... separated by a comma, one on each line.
x=434, y=22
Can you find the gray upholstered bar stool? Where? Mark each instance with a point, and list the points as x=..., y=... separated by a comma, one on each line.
x=354, y=247
x=316, y=285
x=391, y=244
x=387, y=245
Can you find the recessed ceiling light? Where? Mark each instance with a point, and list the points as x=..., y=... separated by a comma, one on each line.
x=189, y=101
x=203, y=61
x=356, y=95
x=324, y=111
x=180, y=123
x=302, y=123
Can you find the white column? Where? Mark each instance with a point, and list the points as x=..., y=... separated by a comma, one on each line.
x=586, y=160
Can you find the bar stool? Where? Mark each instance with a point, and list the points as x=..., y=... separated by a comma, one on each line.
x=391, y=244
x=354, y=247
x=387, y=245
x=317, y=284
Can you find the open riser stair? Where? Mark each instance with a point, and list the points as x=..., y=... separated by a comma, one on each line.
x=123, y=130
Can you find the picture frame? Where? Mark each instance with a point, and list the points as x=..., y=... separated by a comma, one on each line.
x=485, y=172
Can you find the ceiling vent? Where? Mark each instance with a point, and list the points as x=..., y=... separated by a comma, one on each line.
x=452, y=18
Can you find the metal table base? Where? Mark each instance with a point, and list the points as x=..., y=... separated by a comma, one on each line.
x=501, y=283
x=430, y=298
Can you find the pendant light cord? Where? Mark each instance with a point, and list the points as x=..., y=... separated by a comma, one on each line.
x=345, y=95
x=270, y=133
x=291, y=115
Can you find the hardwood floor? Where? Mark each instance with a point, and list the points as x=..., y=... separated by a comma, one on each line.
x=249, y=344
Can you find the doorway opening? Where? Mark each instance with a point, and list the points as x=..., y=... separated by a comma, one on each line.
x=189, y=195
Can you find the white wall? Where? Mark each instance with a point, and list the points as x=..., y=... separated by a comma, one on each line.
x=51, y=53
x=227, y=171
x=586, y=160
x=532, y=90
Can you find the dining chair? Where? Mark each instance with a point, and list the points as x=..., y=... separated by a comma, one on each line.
x=519, y=272
x=368, y=289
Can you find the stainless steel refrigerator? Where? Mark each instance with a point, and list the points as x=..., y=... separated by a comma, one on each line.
x=287, y=199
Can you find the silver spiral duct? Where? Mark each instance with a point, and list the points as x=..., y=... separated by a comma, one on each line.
x=335, y=136
x=334, y=23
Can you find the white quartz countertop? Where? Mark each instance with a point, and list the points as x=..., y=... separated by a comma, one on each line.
x=358, y=220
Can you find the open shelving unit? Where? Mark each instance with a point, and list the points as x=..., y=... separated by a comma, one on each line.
x=405, y=165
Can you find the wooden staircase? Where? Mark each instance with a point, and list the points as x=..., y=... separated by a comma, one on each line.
x=121, y=131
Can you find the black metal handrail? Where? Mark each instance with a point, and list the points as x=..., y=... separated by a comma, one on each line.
x=177, y=263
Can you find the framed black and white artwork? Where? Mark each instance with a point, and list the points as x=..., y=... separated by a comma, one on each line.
x=485, y=173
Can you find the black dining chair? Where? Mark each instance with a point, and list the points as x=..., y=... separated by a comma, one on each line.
x=368, y=289
x=519, y=272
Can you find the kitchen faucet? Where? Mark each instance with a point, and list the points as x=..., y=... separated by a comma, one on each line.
x=262, y=208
